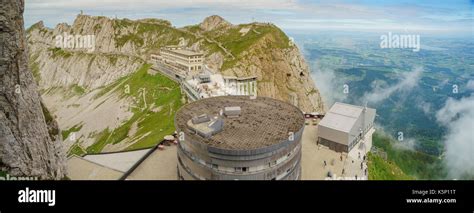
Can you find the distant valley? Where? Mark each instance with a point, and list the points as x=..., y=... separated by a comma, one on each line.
x=358, y=62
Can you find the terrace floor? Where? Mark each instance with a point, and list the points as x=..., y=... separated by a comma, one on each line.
x=313, y=157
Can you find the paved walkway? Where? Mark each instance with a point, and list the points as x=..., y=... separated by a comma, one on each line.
x=121, y=161
x=313, y=157
x=160, y=165
x=82, y=169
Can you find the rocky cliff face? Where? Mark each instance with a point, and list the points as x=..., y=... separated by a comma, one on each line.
x=283, y=73
x=213, y=22
x=256, y=49
x=76, y=84
x=262, y=50
x=28, y=147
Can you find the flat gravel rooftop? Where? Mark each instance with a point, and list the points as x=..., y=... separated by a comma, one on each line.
x=263, y=121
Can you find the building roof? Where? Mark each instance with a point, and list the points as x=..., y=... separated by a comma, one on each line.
x=186, y=52
x=263, y=121
x=240, y=78
x=342, y=117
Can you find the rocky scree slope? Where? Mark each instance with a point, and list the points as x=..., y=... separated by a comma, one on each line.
x=85, y=90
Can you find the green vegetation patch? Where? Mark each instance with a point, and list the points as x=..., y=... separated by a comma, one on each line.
x=97, y=28
x=53, y=131
x=34, y=67
x=234, y=42
x=379, y=169
x=157, y=98
x=37, y=25
x=78, y=90
x=122, y=23
x=58, y=52
x=140, y=33
x=413, y=163
x=113, y=59
x=76, y=150
x=193, y=28
x=122, y=40
x=101, y=141
x=47, y=115
x=110, y=87
x=75, y=128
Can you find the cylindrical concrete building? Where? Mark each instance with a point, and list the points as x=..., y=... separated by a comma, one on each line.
x=239, y=138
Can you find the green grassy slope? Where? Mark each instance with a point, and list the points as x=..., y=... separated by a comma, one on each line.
x=153, y=111
x=142, y=37
x=412, y=163
x=379, y=169
x=162, y=96
x=236, y=43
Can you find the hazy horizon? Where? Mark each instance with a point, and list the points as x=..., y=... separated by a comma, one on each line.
x=429, y=17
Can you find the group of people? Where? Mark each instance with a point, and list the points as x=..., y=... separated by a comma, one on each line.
x=361, y=164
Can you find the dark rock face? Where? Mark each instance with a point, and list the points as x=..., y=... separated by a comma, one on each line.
x=26, y=146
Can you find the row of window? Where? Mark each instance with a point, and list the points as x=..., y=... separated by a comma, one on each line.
x=196, y=68
x=247, y=169
x=238, y=169
x=174, y=55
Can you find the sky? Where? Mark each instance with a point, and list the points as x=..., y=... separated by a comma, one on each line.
x=448, y=16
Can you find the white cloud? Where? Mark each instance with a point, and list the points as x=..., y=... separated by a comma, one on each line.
x=408, y=81
x=161, y=4
x=470, y=85
x=330, y=87
x=458, y=117
x=424, y=106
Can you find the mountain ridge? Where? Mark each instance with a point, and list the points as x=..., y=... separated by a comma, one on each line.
x=123, y=46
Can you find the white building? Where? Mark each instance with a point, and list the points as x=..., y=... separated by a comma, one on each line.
x=197, y=80
x=207, y=85
x=183, y=59
x=241, y=85
x=347, y=128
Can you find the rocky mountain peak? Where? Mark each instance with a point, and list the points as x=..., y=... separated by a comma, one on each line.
x=214, y=22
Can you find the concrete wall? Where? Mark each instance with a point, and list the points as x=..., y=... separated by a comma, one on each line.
x=333, y=135
x=279, y=162
x=364, y=122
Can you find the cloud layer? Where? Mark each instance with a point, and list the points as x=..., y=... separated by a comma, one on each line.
x=330, y=87
x=458, y=117
x=408, y=81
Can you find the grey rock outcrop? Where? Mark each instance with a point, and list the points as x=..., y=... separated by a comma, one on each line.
x=213, y=22
x=26, y=147
x=122, y=46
